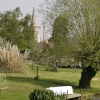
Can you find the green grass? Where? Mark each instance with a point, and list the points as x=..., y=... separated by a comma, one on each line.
x=20, y=85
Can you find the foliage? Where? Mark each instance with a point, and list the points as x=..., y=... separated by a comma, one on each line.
x=60, y=40
x=17, y=29
x=88, y=30
x=57, y=51
x=52, y=69
x=90, y=40
x=83, y=33
x=11, y=60
x=39, y=94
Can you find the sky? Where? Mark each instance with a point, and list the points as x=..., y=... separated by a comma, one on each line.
x=26, y=7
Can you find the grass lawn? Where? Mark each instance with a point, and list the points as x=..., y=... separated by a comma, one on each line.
x=20, y=85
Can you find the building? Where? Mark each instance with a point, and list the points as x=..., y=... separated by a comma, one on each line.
x=36, y=27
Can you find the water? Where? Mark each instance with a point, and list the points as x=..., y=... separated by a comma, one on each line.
x=93, y=98
x=96, y=98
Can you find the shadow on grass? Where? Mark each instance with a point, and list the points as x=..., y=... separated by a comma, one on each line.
x=45, y=83
x=40, y=82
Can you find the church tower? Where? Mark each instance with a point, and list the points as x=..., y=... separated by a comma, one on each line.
x=36, y=27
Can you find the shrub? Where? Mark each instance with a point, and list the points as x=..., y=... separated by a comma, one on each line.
x=52, y=69
x=39, y=94
x=11, y=60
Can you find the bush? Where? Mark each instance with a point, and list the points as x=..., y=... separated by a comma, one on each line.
x=11, y=60
x=52, y=69
x=39, y=94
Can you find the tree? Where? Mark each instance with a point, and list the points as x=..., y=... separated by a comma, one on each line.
x=84, y=33
x=28, y=32
x=60, y=38
x=86, y=26
x=17, y=29
x=90, y=43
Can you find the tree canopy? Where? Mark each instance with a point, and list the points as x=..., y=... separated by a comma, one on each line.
x=16, y=28
x=60, y=38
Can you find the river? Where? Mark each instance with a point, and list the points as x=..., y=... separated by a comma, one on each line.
x=93, y=98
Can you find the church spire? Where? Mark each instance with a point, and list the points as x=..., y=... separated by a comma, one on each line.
x=36, y=26
x=33, y=17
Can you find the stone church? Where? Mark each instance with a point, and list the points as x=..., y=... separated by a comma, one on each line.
x=36, y=27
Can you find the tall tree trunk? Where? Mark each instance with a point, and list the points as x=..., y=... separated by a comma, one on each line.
x=87, y=74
